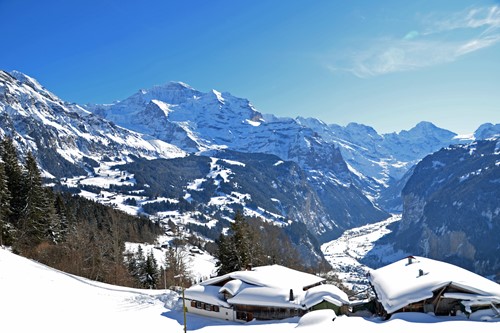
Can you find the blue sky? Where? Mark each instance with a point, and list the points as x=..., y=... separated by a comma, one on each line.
x=387, y=64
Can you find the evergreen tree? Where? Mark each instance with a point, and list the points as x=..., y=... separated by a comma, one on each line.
x=144, y=269
x=34, y=224
x=241, y=247
x=226, y=255
x=251, y=241
x=62, y=217
x=151, y=272
x=136, y=264
x=53, y=228
x=5, y=226
x=14, y=177
x=131, y=265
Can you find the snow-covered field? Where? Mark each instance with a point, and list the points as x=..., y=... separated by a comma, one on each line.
x=200, y=264
x=37, y=298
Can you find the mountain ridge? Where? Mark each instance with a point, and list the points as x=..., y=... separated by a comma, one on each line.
x=353, y=175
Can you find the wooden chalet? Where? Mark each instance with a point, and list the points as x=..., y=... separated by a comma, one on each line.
x=264, y=293
x=417, y=284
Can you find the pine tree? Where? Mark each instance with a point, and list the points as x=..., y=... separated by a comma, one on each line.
x=144, y=268
x=241, y=247
x=5, y=226
x=35, y=215
x=53, y=227
x=226, y=255
x=242, y=240
x=136, y=263
x=151, y=272
x=14, y=177
x=62, y=217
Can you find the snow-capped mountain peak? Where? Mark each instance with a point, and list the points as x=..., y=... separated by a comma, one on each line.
x=41, y=120
x=425, y=128
x=338, y=162
x=487, y=131
x=179, y=114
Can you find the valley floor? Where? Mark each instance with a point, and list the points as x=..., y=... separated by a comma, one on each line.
x=345, y=252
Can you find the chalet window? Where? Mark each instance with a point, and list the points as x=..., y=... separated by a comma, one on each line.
x=208, y=307
x=193, y=304
x=240, y=315
x=215, y=308
x=198, y=305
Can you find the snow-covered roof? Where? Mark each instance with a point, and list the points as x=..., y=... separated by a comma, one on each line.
x=274, y=286
x=325, y=292
x=206, y=294
x=270, y=276
x=233, y=287
x=265, y=296
x=402, y=283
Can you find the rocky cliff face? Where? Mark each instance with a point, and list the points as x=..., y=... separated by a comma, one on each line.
x=451, y=207
x=381, y=162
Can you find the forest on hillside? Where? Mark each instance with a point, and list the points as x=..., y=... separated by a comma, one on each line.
x=82, y=237
x=62, y=230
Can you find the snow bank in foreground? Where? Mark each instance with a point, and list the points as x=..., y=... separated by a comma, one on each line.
x=319, y=317
x=37, y=298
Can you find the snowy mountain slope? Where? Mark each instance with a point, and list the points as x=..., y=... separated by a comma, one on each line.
x=197, y=121
x=38, y=298
x=188, y=118
x=216, y=120
x=67, y=136
x=95, y=158
x=451, y=207
x=323, y=206
x=204, y=192
x=203, y=122
x=487, y=131
x=380, y=160
x=315, y=185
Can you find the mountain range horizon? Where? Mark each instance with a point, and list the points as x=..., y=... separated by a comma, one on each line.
x=186, y=85
x=175, y=153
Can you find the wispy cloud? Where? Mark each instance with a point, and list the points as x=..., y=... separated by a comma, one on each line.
x=484, y=17
x=442, y=40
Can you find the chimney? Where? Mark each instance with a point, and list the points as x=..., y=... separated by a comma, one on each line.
x=249, y=267
x=410, y=260
x=291, y=298
x=420, y=272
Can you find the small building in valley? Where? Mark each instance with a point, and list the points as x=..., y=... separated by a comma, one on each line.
x=417, y=284
x=263, y=293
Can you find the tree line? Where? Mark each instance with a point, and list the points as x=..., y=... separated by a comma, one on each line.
x=85, y=238
x=149, y=273
x=253, y=242
x=65, y=231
